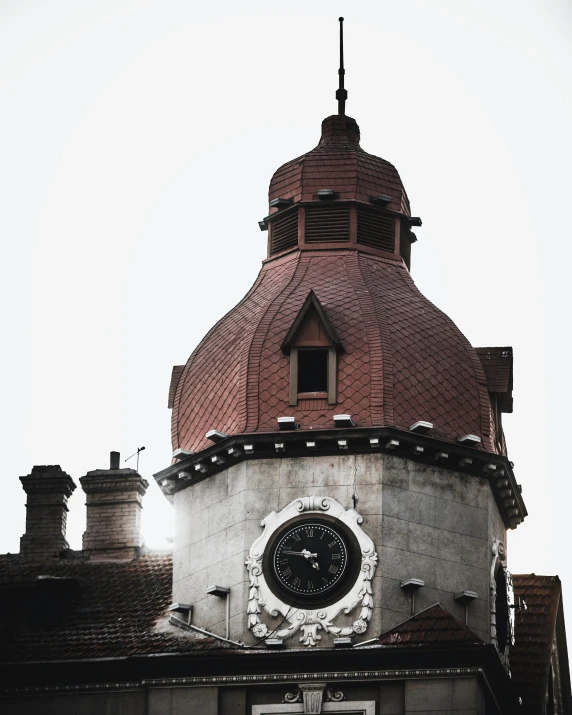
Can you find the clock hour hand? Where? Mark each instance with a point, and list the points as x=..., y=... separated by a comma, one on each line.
x=311, y=558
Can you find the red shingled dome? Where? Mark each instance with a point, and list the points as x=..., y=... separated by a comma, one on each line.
x=339, y=163
x=400, y=360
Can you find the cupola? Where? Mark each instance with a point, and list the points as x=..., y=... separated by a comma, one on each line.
x=339, y=196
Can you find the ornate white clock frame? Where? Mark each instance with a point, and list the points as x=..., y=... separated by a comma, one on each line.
x=499, y=562
x=310, y=621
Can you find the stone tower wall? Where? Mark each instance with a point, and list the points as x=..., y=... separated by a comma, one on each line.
x=427, y=523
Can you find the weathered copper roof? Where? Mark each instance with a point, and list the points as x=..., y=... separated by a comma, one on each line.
x=339, y=163
x=403, y=360
x=432, y=627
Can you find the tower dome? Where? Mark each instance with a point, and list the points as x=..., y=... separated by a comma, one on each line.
x=340, y=164
x=334, y=323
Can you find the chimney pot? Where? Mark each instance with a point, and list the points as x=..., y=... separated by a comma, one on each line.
x=114, y=460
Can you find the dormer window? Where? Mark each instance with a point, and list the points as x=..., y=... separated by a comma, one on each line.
x=313, y=346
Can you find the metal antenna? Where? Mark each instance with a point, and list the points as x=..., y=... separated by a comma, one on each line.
x=341, y=94
x=139, y=449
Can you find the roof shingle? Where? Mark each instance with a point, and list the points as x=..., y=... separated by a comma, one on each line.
x=432, y=627
x=534, y=635
x=76, y=609
x=403, y=359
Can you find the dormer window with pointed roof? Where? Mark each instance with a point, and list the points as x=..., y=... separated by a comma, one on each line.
x=313, y=346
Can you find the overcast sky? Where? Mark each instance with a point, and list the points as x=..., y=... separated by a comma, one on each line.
x=137, y=142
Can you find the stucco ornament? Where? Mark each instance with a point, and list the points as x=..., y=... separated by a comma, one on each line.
x=312, y=695
x=310, y=623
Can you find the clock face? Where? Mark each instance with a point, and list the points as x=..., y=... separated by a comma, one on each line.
x=310, y=561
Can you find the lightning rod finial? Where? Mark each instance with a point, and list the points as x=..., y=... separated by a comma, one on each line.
x=341, y=94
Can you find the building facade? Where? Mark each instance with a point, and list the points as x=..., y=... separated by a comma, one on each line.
x=342, y=495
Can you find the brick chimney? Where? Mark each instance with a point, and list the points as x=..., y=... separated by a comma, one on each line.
x=113, y=500
x=48, y=489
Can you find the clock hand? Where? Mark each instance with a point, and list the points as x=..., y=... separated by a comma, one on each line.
x=311, y=558
x=304, y=553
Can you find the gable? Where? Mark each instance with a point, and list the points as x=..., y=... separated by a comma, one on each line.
x=311, y=328
x=311, y=332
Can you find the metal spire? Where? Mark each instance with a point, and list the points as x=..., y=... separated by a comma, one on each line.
x=341, y=94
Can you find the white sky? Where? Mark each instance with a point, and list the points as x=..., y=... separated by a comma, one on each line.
x=137, y=142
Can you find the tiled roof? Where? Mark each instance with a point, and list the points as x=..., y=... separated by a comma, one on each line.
x=339, y=163
x=71, y=608
x=534, y=635
x=432, y=627
x=403, y=360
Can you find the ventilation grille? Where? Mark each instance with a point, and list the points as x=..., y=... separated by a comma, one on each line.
x=284, y=232
x=327, y=224
x=405, y=241
x=375, y=229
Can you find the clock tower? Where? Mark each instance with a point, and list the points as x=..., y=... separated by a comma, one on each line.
x=342, y=496
x=339, y=463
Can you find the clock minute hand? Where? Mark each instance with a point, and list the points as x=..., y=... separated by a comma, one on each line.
x=304, y=553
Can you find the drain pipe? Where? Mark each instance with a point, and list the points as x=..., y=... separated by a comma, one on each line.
x=220, y=592
x=190, y=627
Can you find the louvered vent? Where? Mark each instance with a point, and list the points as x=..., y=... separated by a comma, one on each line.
x=327, y=224
x=284, y=232
x=405, y=241
x=375, y=229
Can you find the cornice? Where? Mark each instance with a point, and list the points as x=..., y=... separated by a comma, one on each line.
x=253, y=679
x=496, y=468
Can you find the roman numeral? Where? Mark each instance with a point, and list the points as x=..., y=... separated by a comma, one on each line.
x=322, y=534
x=287, y=573
x=325, y=580
x=283, y=562
x=297, y=582
x=333, y=569
x=310, y=585
x=296, y=537
x=332, y=544
x=309, y=531
x=336, y=556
